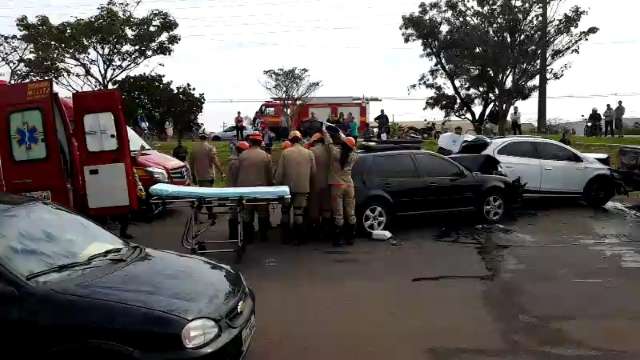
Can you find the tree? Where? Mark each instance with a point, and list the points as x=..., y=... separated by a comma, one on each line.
x=156, y=98
x=95, y=52
x=290, y=87
x=13, y=52
x=487, y=52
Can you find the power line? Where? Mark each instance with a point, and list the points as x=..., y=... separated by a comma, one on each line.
x=404, y=98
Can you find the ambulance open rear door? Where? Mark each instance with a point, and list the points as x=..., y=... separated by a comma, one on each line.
x=105, y=158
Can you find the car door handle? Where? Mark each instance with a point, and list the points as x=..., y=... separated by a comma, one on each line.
x=433, y=184
x=508, y=167
x=548, y=168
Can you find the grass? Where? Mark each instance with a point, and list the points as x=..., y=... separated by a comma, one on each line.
x=583, y=144
x=222, y=147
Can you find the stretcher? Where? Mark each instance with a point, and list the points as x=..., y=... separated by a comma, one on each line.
x=207, y=203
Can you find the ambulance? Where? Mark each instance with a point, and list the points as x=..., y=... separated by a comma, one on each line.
x=75, y=152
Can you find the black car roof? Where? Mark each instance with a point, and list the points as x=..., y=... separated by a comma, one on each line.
x=393, y=152
x=8, y=199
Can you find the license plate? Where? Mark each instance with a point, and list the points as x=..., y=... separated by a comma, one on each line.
x=247, y=333
x=41, y=195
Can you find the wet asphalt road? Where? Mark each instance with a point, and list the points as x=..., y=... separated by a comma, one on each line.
x=557, y=281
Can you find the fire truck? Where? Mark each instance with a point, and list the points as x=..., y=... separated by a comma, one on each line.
x=272, y=111
x=76, y=152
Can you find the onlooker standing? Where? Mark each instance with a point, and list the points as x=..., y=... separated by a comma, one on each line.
x=239, y=121
x=608, y=120
x=180, y=152
x=267, y=137
x=516, y=126
x=352, y=126
x=284, y=124
x=296, y=168
x=204, y=163
x=596, y=122
x=491, y=125
x=619, y=117
x=168, y=128
x=383, y=123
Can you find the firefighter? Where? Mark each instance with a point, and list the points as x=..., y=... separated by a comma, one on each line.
x=320, y=196
x=254, y=169
x=233, y=182
x=342, y=156
x=296, y=167
x=285, y=145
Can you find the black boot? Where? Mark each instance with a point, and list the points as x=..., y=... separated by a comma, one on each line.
x=285, y=233
x=248, y=232
x=233, y=229
x=263, y=229
x=300, y=234
x=349, y=234
x=337, y=236
x=325, y=230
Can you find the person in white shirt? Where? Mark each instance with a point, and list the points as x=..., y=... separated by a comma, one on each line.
x=168, y=128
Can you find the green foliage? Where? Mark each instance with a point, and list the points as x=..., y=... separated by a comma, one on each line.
x=13, y=52
x=95, y=52
x=159, y=101
x=394, y=130
x=487, y=52
x=290, y=86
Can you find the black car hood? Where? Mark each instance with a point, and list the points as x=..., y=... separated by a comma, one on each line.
x=177, y=284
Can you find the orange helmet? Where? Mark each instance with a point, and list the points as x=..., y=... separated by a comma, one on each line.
x=256, y=135
x=351, y=142
x=286, y=144
x=316, y=137
x=242, y=145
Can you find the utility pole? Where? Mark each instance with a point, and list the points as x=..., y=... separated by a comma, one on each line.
x=542, y=92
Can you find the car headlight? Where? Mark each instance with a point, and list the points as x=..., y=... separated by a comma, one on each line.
x=199, y=333
x=158, y=174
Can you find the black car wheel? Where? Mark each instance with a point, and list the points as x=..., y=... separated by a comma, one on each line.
x=493, y=206
x=598, y=192
x=375, y=216
x=216, y=138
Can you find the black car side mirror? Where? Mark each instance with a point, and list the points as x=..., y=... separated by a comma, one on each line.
x=7, y=293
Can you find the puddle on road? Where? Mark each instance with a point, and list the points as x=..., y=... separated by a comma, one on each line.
x=482, y=238
x=621, y=208
x=629, y=258
x=336, y=252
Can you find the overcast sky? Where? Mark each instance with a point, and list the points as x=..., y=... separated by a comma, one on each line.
x=354, y=47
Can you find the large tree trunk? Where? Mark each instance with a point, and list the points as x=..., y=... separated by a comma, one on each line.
x=502, y=120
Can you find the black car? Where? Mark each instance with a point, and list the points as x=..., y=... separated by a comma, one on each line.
x=391, y=183
x=72, y=289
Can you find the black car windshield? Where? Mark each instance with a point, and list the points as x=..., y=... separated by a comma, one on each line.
x=135, y=141
x=36, y=237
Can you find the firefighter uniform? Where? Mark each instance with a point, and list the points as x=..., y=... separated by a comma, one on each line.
x=233, y=182
x=296, y=168
x=254, y=169
x=342, y=191
x=320, y=196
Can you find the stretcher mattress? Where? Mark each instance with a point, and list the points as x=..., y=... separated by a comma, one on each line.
x=168, y=191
